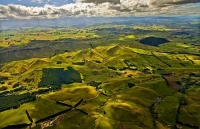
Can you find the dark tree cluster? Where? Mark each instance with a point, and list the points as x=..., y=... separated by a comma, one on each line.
x=14, y=101
x=112, y=67
x=55, y=77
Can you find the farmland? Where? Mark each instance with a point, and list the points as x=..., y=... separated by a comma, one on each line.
x=102, y=77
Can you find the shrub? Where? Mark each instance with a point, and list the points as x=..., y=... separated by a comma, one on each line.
x=131, y=84
x=2, y=82
x=3, y=88
x=93, y=83
x=112, y=67
x=78, y=63
x=59, y=62
x=16, y=85
x=97, y=61
x=124, y=68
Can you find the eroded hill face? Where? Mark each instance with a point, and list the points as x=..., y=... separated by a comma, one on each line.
x=108, y=87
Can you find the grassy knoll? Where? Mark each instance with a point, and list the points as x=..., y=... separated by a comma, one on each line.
x=14, y=117
x=50, y=107
x=72, y=95
x=94, y=105
x=167, y=110
x=38, y=109
x=189, y=113
x=128, y=112
x=104, y=122
x=114, y=85
x=159, y=86
x=139, y=95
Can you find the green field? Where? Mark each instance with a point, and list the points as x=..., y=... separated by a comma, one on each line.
x=99, y=78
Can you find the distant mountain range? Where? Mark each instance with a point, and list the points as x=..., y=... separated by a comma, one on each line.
x=85, y=21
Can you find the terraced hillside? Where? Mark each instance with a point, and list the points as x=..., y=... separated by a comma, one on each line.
x=106, y=87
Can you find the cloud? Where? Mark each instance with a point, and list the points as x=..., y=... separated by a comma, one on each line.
x=100, y=8
x=101, y=1
x=162, y=3
x=39, y=1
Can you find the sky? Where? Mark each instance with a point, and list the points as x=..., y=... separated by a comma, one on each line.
x=48, y=9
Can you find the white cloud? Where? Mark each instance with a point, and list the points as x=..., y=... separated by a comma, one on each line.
x=123, y=8
x=39, y=1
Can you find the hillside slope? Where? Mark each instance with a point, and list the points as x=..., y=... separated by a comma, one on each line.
x=108, y=87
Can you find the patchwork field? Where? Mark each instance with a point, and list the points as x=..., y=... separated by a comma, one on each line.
x=105, y=77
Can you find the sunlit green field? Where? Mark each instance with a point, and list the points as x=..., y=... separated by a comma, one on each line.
x=23, y=37
x=114, y=82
